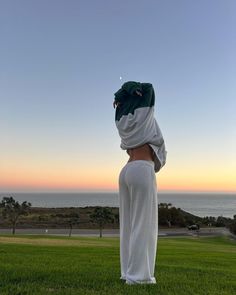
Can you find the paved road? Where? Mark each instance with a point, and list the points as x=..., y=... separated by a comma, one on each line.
x=214, y=231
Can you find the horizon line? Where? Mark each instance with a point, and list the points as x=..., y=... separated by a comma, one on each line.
x=117, y=191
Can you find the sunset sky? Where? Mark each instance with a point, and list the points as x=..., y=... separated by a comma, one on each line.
x=61, y=63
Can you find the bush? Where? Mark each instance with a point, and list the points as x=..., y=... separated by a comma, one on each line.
x=169, y=215
x=232, y=226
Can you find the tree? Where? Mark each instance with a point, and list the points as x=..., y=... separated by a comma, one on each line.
x=176, y=217
x=117, y=218
x=73, y=219
x=209, y=220
x=101, y=216
x=232, y=226
x=164, y=214
x=12, y=210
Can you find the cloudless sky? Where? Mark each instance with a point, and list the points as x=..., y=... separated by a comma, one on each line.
x=61, y=63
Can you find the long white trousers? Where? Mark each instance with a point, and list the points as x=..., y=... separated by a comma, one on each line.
x=138, y=222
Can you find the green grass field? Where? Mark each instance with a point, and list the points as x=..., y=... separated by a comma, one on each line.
x=62, y=265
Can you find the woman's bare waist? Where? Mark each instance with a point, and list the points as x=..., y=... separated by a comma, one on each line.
x=144, y=152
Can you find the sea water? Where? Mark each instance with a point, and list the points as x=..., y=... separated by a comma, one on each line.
x=200, y=204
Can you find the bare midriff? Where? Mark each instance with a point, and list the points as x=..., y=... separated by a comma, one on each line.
x=144, y=152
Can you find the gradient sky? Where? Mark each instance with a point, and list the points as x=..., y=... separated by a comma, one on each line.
x=60, y=64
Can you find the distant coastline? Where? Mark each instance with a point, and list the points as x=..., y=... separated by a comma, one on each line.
x=44, y=218
x=199, y=204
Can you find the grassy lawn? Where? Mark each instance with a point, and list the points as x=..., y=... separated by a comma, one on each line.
x=77, y=265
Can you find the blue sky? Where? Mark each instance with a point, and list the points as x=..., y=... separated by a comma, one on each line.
x=61, y=62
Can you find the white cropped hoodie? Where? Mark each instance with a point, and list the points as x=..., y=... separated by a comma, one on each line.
x=135, y=121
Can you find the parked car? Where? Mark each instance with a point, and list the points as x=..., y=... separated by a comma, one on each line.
x=194, y=227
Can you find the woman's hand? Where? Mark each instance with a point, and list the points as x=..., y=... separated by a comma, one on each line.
x=116, y=104
x=138, y=93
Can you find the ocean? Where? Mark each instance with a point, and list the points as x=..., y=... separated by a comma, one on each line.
x=200, y=204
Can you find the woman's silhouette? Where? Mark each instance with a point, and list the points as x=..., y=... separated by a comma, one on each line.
x=141, y=137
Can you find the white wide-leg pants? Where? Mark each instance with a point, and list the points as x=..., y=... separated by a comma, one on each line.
x=138, y=222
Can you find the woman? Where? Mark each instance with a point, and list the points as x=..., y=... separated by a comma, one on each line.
x=141, y=137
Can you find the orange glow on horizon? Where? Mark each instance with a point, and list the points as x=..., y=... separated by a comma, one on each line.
x=90, y=179
x=99, y=184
